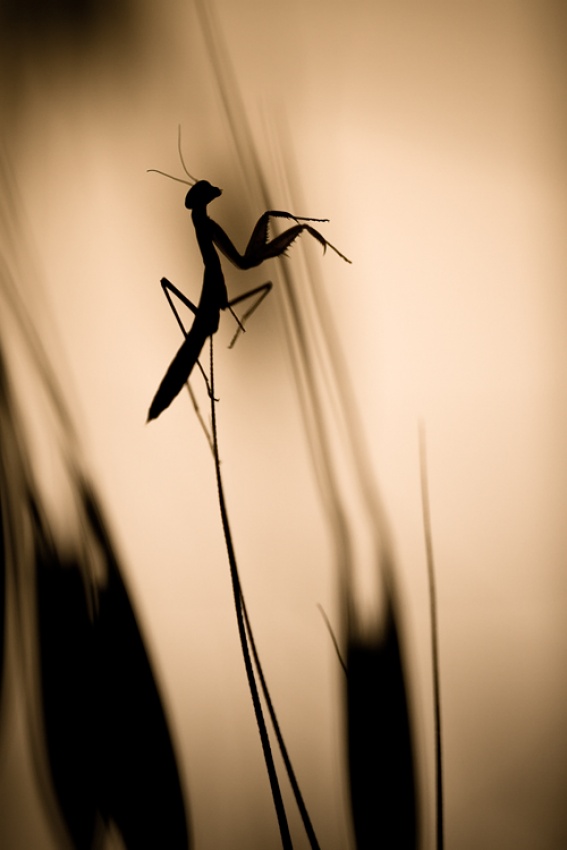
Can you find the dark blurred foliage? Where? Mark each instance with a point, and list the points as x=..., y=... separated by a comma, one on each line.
x=81, y=21
x=69, y=37
x=107, y=739
x=380, y=749
x=108, y=747
x=102, y=724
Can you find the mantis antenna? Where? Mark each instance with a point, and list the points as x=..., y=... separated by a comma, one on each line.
x=171, y=177
x=194, y=179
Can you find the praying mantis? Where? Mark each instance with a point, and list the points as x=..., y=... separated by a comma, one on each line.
x=214, y=296
x=211, y=239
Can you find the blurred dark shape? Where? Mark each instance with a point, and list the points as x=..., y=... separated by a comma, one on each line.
x=380, y=751
x=107, y=738
x=61, y=39
x=80, y=21
x=108, y=747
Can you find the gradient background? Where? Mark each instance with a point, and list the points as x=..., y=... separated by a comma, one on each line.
x=433, y=137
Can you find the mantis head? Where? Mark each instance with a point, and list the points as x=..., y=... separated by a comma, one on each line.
x=201, y=194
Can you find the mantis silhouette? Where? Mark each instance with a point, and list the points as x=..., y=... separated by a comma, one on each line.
x=211, y=239
x=214, y=296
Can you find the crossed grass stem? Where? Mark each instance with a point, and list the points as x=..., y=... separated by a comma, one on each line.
x=249, y=655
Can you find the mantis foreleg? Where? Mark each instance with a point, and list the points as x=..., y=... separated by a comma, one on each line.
x=260, y=247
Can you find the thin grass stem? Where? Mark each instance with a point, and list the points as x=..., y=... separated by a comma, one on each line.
x=283, y=749
x=238, y=604
x=434, y=639
x=327, y=622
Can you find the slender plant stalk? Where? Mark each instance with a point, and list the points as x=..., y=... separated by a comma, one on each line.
x=247, y=637
x=327, y=622
x=238, y=604
x=247, y=642
x=283, y=749
x=434, y=639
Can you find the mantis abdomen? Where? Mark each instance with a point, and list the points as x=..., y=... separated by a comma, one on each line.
x=181, y=366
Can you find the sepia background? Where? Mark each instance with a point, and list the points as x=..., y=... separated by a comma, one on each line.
x=433, y=138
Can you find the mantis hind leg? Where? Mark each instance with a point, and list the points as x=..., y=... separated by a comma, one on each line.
x=262, y=291
x=170, y=289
